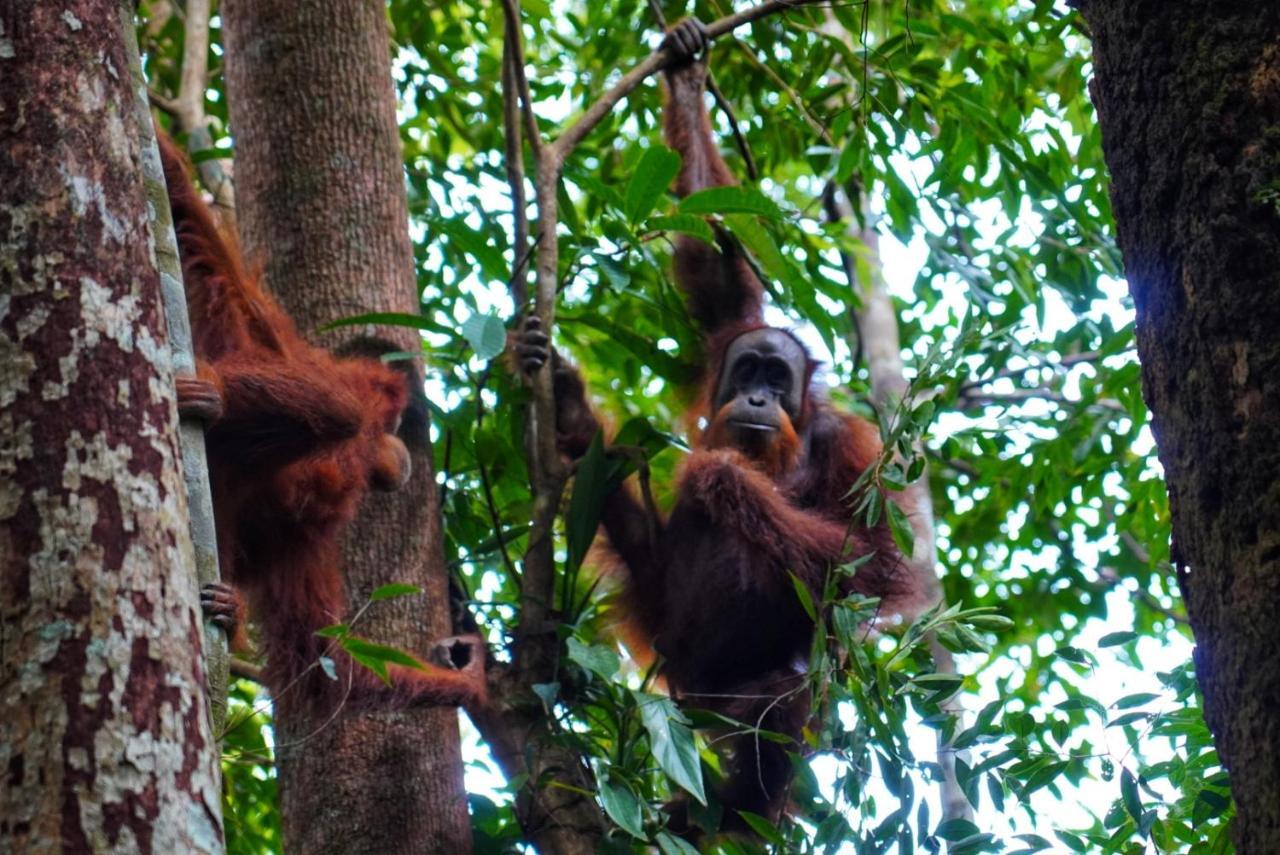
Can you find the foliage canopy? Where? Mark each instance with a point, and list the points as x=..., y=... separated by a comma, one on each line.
x=964, y=133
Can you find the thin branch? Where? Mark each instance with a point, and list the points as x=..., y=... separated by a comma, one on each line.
x=515, y=44
x=1066, y=361
x=651, y=64
x=734, y=127
x=246, y=671
x=514, y=154
x=1014, y=397
x=1112, y=579
x=168, y=106
x=186, y=109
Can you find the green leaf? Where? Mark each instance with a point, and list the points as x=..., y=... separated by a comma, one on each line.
x=393, y=590
x=685, y=224
x=596, y=658
x=1112, y=639
x=367, y=651
x=672, y=742
x=955, y=829
x=390, y=319
x=1134, y=700
x=590, y=486
x=649, y=180
x=729, y=200
x=763, y=827
x=671, y=845
x=1129, y=793
x=486, y=334
x=900, y=527
x=806, y=599
x=623, y=807
x=763, y=248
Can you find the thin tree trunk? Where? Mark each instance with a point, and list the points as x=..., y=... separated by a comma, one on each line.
x=104, y=723
x=1188, y=95
x=879, y=338
x=321, y=203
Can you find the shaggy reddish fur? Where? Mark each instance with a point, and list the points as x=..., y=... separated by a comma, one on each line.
x=710, y=588
x=297, y=439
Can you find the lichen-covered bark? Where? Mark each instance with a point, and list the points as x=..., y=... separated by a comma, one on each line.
x=104, y=731
x=320, y=192
x=1188, y=95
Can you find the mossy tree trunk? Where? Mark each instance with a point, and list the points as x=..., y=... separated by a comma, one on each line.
x=1188, y=95
x=105, y=736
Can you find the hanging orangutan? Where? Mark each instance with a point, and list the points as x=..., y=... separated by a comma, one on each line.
x=762, y=497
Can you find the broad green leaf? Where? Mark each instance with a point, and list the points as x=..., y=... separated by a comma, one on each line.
x=650, y=178
x=806, y=598
x=955, y=829
x=763, y=827
x=390, y=319
x=623, y=807
x=596, y=658
x=486, y=334
x=367, y=651
x=590, y=486
x=685, y=224
x=729, y=200
x=669, y=844
x=900, y=528
x=763, y=248
x=1129, y=792
x=393, y=590
x=672, y=742
x=1112, y=639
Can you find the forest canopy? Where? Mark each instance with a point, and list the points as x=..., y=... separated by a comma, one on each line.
x=940, y=158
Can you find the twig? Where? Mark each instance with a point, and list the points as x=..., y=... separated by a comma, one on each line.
x=1112, y=579
x=186, y=109
x=738, y=137
x=1010, y=373
x=1021, y=396
x=246, y=670
x=515, y=45
x=654, y=62
x=514, y=153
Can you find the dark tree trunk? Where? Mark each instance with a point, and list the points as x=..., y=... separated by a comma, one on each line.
x=320, y=191
x=1189, y=99
x=105, y=739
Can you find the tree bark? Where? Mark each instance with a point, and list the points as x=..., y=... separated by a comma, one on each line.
x=1188, y=95
x=321, y=203
x=105, y=736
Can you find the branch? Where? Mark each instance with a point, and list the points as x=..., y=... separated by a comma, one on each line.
x=514, y=154
x=1067, y=361
x=651, y=64
x=514, y=44
x=1021, y=396
x=246, y=670
x=1112, y=579
x=187, y=108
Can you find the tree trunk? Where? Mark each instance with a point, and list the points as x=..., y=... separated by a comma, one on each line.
x=105, y=738
x=320, y=191
x=1188, y=95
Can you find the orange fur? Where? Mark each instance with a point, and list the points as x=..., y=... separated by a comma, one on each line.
x=301, y=438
